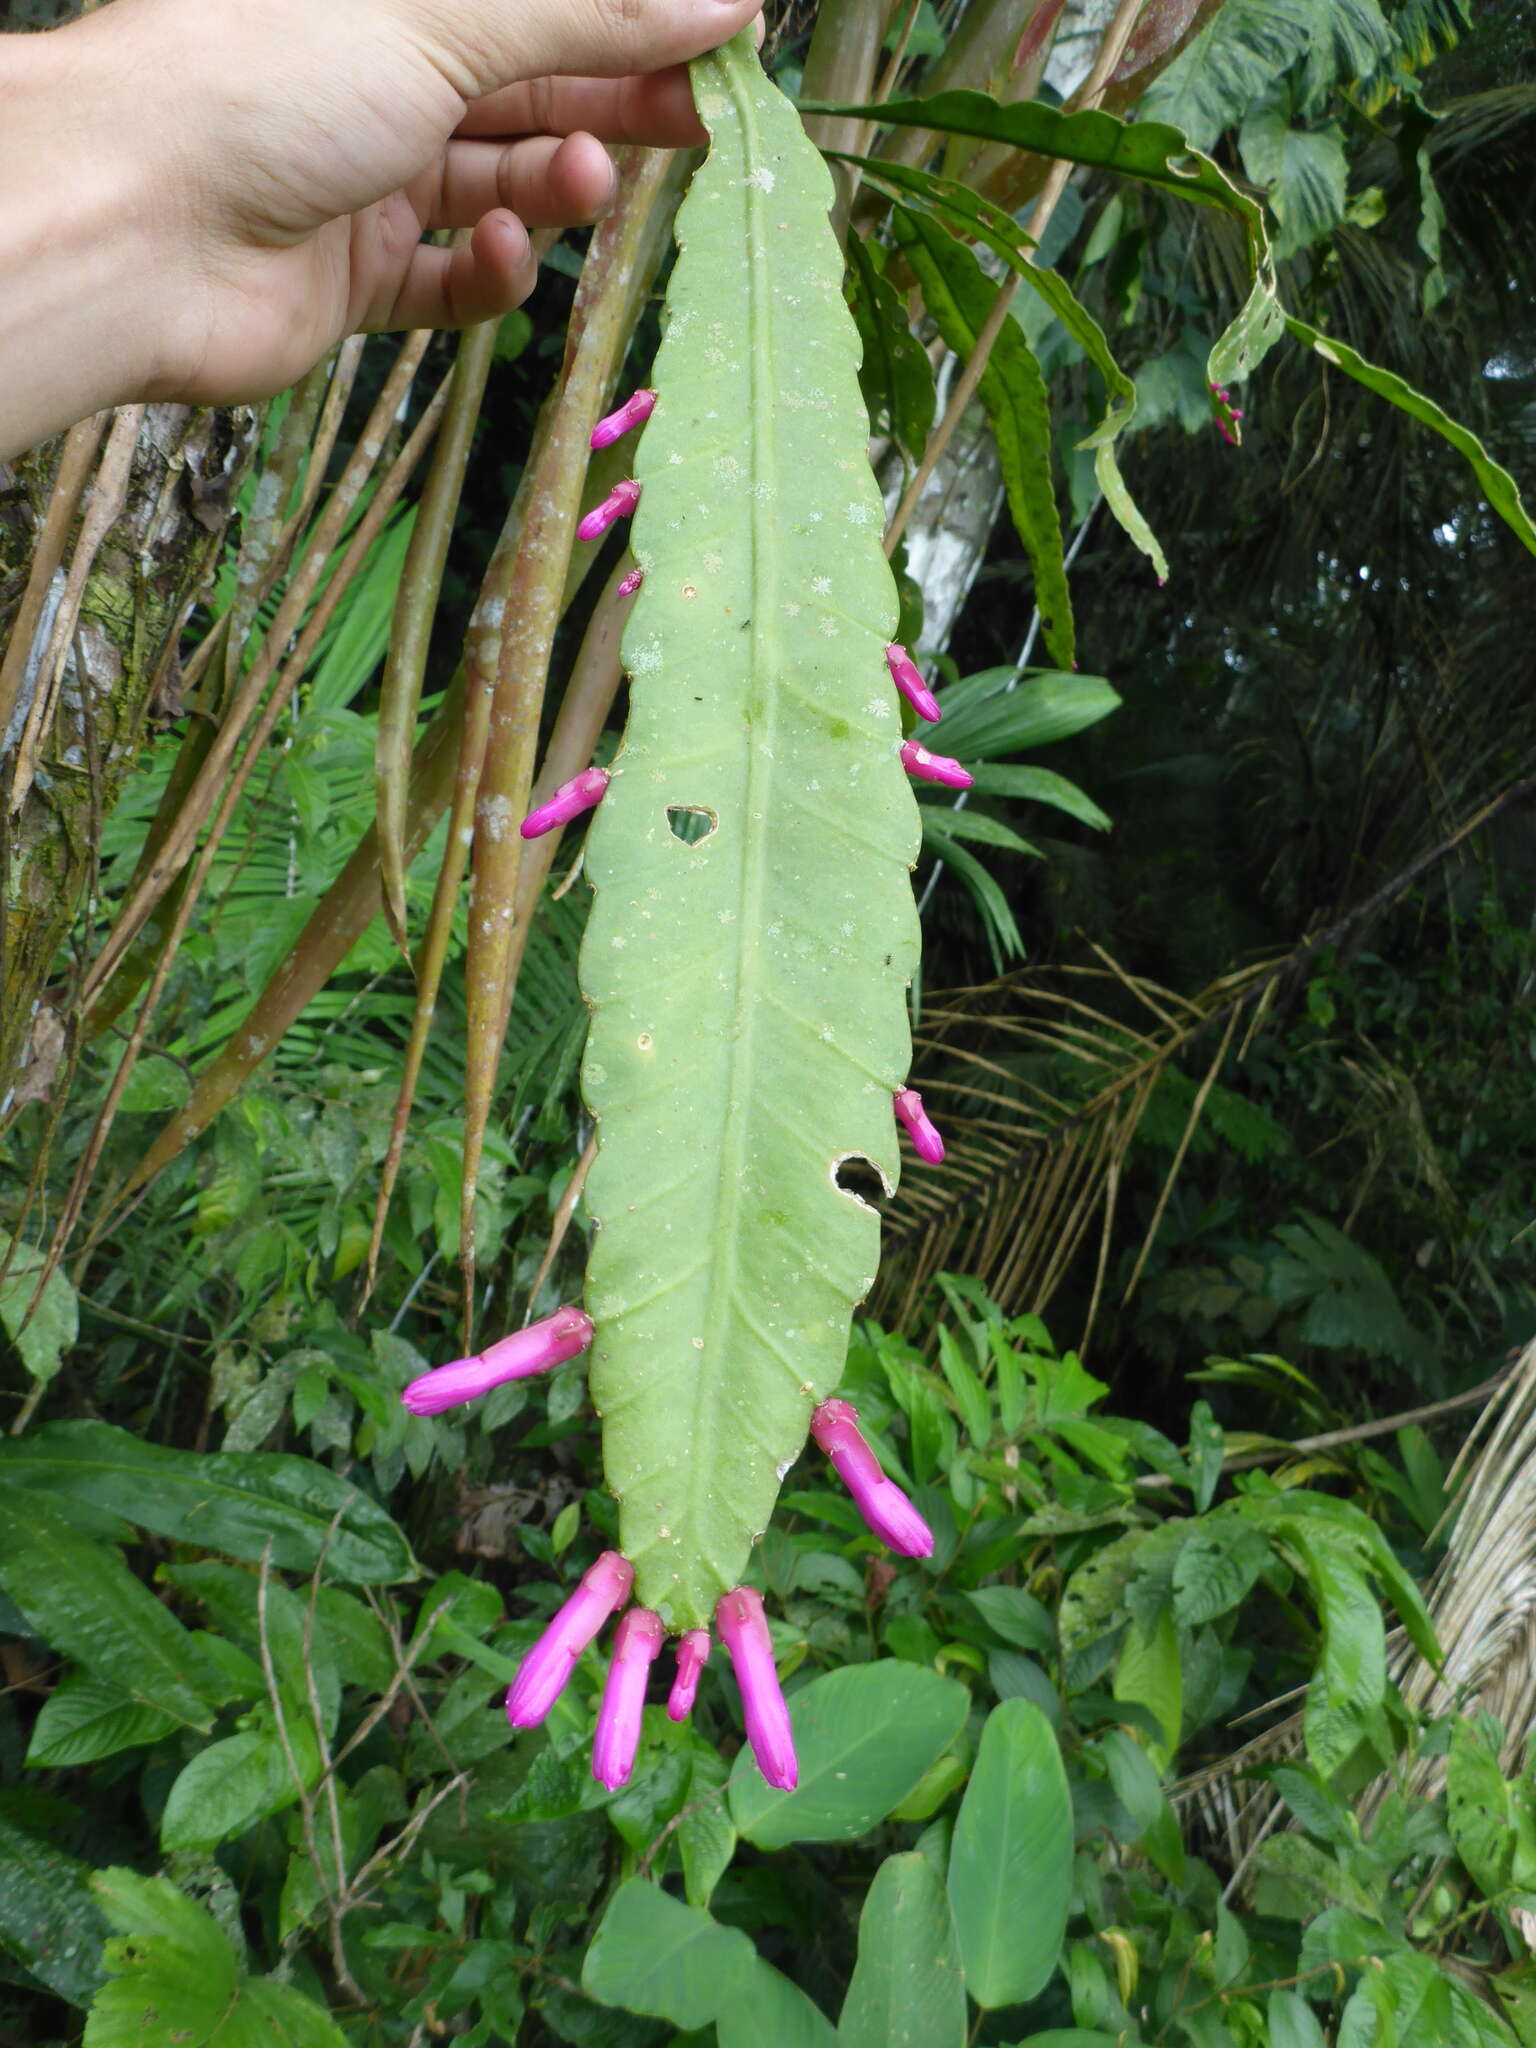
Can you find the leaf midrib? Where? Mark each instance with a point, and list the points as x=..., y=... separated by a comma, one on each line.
x=759, y=739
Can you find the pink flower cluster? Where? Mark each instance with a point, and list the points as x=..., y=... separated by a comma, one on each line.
x=604, y=1589
x=1227, y=414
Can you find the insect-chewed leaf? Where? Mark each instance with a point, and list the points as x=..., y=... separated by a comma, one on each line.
x=749, y=1021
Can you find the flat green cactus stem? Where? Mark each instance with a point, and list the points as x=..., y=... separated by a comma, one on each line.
x=747, y=986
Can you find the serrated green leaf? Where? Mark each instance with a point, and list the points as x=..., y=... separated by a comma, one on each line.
x=86, y=1718
x=907, y=1983
x=1152, y=151
x=49, y=1923
x=1010, y=1867
x=748, y=990
x=960, y=295
x=1499, y=487
x=237, y=1502
x=895, y=374
x=864, y=1735
x=177, y=1981
x=958, y=207
x=82, y=1598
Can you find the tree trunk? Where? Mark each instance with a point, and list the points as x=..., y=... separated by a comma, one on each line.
x=60, y=778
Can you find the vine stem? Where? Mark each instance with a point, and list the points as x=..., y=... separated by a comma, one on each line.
x=1111, y=49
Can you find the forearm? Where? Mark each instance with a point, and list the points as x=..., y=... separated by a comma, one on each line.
x=83, y=292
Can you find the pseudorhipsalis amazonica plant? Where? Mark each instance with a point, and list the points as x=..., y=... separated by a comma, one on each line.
x=751, y=943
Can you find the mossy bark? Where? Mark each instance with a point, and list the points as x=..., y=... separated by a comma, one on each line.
x=120, y=679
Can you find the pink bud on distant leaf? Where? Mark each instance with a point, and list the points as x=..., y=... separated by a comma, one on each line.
x=639, y=1637
x=545, y=1670
x=634, y=412
x=907, y=677
x=744, y=1631
x=618, y=504
x=692, y=1656
x=584, y=792
x=631, y=583
x=539, y=1348
x=934, y=767
x=881, y=1502
x=926, y=1142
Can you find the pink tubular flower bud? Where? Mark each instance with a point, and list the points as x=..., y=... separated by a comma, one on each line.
x=917, y=1123
x=631, y=583
x=618, y=504
x=908, y=679
x=543, y=1674
x=635, y=1646
x=539, y=1348
x=584, y=792
x=692, y=1656
x=934, y=767
x=634, y=412
x=744, y=1632
x=881, y=1502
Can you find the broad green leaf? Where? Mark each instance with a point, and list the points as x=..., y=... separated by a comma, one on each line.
x=995, y=712
x=237, y=1502
x=1010, y=1868
x=1499, y=487
x=49, y=1923
x=1072, y=2037
x=1479, y=1808
x=1215, y=1568
x=80, y=1597
x=706, y=1835
x=41, y=1335
x=653, y=1954
x=226, y=1788
x=1149, y=1671
x=1303, y=170
x=1292, y=2022
x=766, y=2010
x=86, y=1718
x=959, y=295
x=1018, y=1617
x=1039, y=786
x=749, y=1022
x=864, y=1735
x=177, y=1981
x=907, y=1985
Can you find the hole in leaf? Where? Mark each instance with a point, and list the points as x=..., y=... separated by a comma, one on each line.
x=691, y=822
x=857, y=1176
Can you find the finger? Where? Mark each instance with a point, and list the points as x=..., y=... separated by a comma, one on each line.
x=486, y=45
x=546, y=182
x=483, y=278
x=657, y=111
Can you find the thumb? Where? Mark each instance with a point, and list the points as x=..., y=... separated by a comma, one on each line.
x=487, y=44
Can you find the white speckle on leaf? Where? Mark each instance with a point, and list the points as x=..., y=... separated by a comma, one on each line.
x=762, y=178
x=822, y=585
x=857, y=515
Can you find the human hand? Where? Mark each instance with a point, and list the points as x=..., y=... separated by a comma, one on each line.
x=266, y=169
